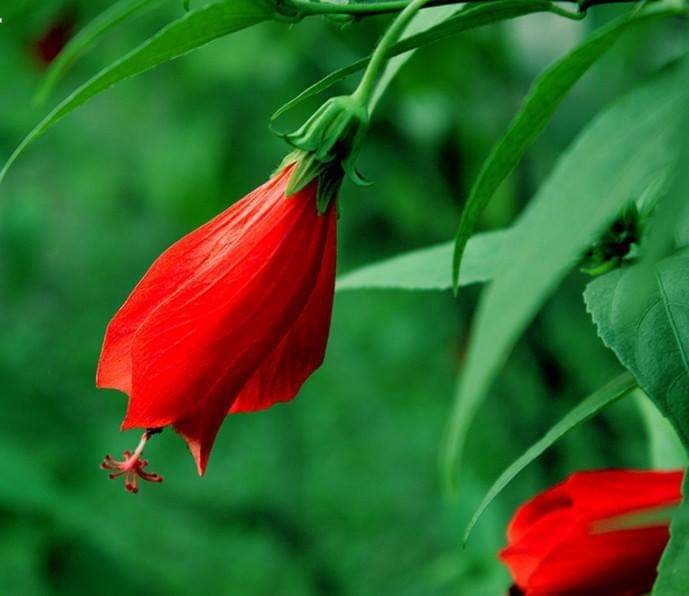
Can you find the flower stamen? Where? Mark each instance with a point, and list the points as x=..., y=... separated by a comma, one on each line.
x=132, y=466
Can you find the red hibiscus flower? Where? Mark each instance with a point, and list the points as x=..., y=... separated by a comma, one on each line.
x=599, y=533
x=234, y=317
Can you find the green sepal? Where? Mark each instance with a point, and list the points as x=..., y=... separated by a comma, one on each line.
x=306, y=169
x=355, y=175
x=335, y=132
x=326, y=147
x=329, y=183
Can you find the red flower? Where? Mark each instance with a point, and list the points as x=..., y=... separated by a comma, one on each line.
x=573, y=538
x=234, y=317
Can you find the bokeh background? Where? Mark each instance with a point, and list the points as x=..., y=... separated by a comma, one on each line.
x=337, y=492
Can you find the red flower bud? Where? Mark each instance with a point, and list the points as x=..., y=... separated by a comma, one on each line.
x=599, y=533
x=234, y=317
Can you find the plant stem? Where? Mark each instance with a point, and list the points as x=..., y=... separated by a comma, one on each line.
x=364, y=91
x=310, y=7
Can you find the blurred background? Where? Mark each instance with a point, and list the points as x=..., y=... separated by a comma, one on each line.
x=337, y=492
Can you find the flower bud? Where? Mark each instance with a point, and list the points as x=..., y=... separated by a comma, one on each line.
x=600, y=532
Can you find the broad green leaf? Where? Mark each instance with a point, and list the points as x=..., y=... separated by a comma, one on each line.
x=538, y=108
x=665, y=449
x=588, y=408
x=85, y=39
x=429, y=268
x=673, y=571
x=463, y=20
x=648, y=329
x=192, y=31
x=617, y=156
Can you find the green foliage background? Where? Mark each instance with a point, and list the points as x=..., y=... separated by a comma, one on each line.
x=337, y=492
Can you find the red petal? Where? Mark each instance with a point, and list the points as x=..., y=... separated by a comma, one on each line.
x=554, y=499
x=198, y=348
x=537, y=528
x=281, y=375
x=615, y=563
x=605, y=493
x=174, y=268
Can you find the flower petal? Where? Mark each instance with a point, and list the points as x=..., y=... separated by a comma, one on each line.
x=549, y=501
x=173, y=269
x=197, y=349
x=280, y=376
x=622, y=563
x=604, y=493
x=536, y=530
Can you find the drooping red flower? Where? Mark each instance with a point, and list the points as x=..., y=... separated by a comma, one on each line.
x=234, y=317
x=599, y=533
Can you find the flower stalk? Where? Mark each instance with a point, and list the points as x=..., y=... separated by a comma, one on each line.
x=364, y=92
x=363, y=9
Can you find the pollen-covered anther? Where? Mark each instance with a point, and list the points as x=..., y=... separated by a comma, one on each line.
x=132, y=466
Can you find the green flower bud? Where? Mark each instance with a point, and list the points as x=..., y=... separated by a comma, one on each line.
x=332, y=136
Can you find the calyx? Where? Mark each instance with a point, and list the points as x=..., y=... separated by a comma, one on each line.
x=326, y=147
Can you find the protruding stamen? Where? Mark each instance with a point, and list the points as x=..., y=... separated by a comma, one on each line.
x=132, y=466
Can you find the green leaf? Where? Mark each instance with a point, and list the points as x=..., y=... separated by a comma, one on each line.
x=665, y=449
x=634, y=139
x=463, y=20
x=85, y=39
x=647, y=326
x=588, y=408
x=429, y=268
x=669, y=211
x=192, y=31
x=672, y=211
x=673, y=571
x=538, y=108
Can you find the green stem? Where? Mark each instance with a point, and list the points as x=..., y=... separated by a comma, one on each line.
x=364, y=92
x=310, y=7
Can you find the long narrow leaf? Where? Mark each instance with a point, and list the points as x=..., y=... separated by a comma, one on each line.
x=85, y=39
x=429, y=268
x=192, y=31
x=538, y=108
x=588, y=408
x=463, y=20
x=634, y=140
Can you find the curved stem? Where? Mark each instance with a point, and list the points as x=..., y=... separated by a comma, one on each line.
x=310, y=7
x=364, y=91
